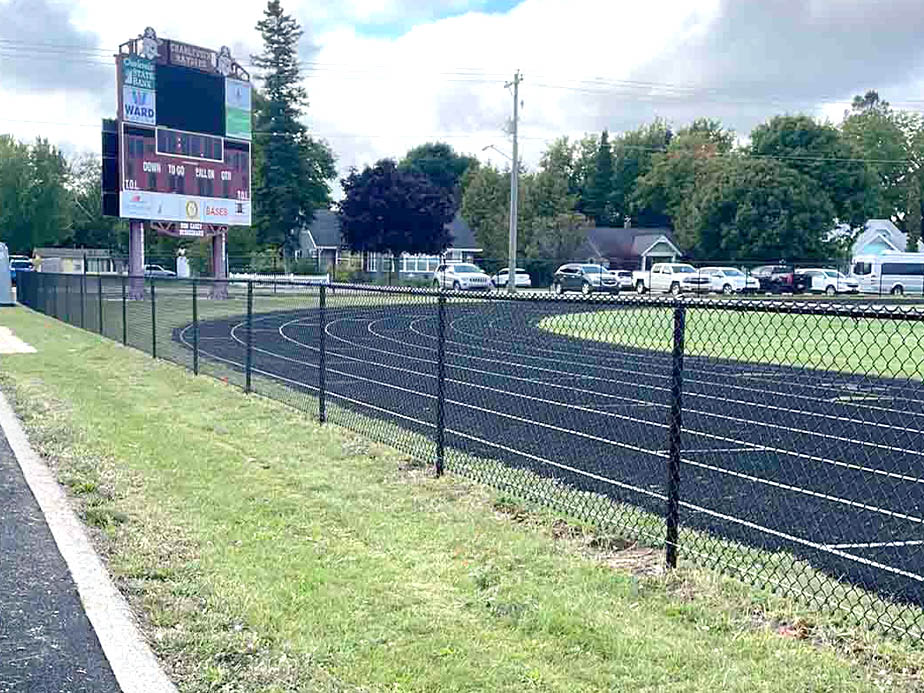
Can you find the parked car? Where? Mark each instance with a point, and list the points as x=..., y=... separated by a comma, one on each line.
x=158, y=272
x=584, y=278
x=673, y=277
x=779, y=279
x=521, y=279
x=828, y=281
x=729, y=280
x=624, y=279
x=19, y=263
x=461, y=276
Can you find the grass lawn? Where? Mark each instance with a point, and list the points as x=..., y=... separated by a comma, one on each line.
x=264, y=552
x=865, y=346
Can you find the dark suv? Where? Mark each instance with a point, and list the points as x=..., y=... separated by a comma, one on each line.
x=778, y=279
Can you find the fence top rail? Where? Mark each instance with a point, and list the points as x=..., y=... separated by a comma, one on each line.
x=822, y=307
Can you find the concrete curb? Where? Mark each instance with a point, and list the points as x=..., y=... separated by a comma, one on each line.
x=133, y=663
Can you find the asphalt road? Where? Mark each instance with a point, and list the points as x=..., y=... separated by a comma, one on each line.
x=47, y=644
x=827, y=466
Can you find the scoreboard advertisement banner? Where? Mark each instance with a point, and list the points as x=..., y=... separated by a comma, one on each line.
x=184, y=135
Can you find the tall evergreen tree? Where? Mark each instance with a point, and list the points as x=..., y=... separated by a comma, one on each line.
x=293, y=171
x=598, y=199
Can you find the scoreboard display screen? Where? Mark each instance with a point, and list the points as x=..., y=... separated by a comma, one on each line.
x=184, y=136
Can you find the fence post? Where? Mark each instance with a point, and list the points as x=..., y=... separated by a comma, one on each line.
x=195, y=292
x=99, y=296
x=83, y=300
x=124, y=315
x=441, y=384
x=67, y=300
x=153, y=320
x=322, y=369
x=676, y=424
x=249, y=368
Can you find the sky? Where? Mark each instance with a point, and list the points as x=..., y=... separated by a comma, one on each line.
x=385, y=75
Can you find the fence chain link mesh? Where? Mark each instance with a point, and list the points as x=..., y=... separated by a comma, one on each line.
x=779, y=441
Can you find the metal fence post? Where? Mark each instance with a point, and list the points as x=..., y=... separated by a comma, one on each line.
x=124, y=315
x=676, y=425
x=441, y=385
x=322, y=369
x=195, y=316
x=249, y=369
x=99, y=295
x=153, y=320
x=83, y=300
x=67, y=300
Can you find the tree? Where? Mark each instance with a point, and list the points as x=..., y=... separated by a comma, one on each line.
x=597, y=202
x=292, y=176
x=888, y=141
x=745, y=208
x=820, y=151
x=89, y=227
x=672, y=179
x=440, y=163
x=387, y=210
x=913, y=216
x=35, y=202
x=486, y=209
x=634, y=154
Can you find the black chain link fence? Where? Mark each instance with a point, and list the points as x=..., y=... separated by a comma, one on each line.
x=779, y=441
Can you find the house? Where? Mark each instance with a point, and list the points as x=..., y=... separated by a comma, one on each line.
x=628, y=248
x=880, y=236
x=323, y=241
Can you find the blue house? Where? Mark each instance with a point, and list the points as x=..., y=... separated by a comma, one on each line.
x=880, y=236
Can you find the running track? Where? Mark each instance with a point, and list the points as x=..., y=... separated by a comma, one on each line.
x=827, y=466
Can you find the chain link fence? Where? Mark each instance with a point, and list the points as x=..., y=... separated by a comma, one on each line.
x=779, y=441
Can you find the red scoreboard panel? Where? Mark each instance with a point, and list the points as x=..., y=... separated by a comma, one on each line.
x=171, y=175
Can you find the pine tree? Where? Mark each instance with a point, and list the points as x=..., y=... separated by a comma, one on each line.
x=598, y=200
x=291, y=170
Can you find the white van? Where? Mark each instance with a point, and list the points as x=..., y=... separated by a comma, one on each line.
x=890, y=273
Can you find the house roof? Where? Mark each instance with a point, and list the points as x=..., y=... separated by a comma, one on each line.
x=608, y=242
x=882, y=230
x=324, y=232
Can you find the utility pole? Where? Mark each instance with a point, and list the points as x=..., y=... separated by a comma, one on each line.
x=514, y=187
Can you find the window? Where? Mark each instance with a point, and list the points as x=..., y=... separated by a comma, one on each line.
x=903, y=268
x=863, y=268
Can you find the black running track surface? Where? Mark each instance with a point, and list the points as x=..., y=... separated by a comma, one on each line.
x=828, y=466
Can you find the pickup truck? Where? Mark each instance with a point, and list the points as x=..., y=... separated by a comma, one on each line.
x=672, y=277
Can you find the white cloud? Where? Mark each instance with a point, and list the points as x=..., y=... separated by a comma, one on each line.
x=588, y=65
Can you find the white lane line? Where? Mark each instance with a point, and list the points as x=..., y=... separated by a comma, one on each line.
x=734, y=441
x=754, y=422
x=133, y=663
x=709, y=383
x=754, y=448
x=663, y=360
x=627, y=446
x=878, y=544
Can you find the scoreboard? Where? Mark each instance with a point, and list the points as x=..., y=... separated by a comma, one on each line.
x=184, y=136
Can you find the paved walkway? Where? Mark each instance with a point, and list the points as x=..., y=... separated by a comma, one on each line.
x=47, y=644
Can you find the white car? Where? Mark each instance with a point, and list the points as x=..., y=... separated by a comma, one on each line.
x=461, y=276
x=521, y=280
x=624, y=279
x=729, y=280
x=828, y=281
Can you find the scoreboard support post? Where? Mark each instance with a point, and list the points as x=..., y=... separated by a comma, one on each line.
x=136, y=260
x=220, y=269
